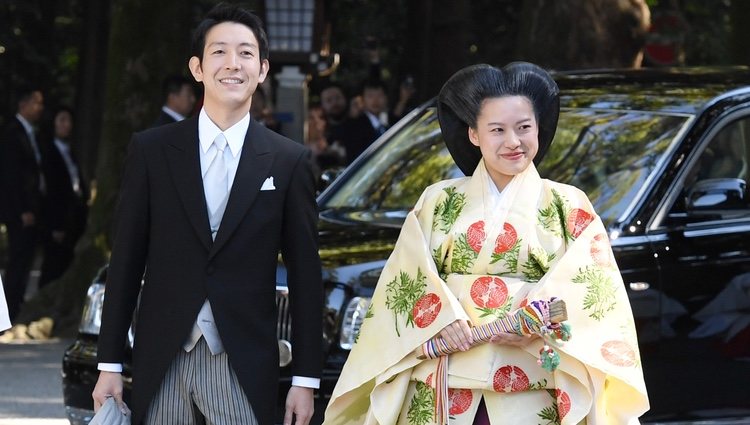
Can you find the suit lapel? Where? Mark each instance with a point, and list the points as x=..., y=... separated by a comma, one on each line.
x=185, y=166
x=255, y=163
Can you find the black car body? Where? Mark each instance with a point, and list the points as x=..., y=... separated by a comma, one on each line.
x=664, y=156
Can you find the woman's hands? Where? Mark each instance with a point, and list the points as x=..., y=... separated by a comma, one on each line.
x=458, y=336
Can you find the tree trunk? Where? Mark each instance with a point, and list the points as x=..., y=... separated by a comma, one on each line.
x=148, y=40
x=576, y=34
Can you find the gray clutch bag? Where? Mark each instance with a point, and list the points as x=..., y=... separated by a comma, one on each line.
x=110, y=414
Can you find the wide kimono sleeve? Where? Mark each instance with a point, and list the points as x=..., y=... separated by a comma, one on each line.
x=411, y=304
x=602, y=358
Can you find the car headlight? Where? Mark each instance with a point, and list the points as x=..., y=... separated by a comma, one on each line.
x=91, y=320
x=353, y=316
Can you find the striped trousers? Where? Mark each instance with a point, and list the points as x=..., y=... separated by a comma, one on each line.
x=200, y=388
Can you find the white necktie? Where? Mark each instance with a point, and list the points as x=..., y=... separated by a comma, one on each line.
x=216, y=184
x=216, y=190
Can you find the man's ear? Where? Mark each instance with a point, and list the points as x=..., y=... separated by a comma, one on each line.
x=194, y=64
x=473, y=137
x=264, y=67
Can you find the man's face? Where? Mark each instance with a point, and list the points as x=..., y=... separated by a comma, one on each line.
x=31, y=109
x=333, y=102
x=374, y=100
x=231, y=68
x=184, y=100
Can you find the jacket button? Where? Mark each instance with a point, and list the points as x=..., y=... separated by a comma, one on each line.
x=210, y=270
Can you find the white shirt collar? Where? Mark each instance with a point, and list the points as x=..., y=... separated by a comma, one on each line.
x=26, y=125
x=61, y=144
x=374, y=121
x=235, y=135
x=172, y=113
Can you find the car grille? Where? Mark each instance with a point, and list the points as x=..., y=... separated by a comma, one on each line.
x=284, y=320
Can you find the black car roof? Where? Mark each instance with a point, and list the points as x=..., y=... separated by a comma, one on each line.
x=667, y=90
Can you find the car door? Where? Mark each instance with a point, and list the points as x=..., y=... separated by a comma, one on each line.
x=701, y=241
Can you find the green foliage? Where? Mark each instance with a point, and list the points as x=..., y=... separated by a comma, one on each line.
x=401, y=295
x=600, y=291
x=422, y=406
x=498, y=312
x=446, y=212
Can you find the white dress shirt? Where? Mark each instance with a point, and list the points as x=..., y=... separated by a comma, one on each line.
x=71, y=166
x=235, y=136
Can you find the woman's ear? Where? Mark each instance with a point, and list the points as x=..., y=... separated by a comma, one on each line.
x=473, y=137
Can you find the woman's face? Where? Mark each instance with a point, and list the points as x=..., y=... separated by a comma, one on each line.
x=507, y=135
x=63, y=125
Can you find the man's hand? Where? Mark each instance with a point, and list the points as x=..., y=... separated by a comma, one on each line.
x=299, y=406
x=109, y=384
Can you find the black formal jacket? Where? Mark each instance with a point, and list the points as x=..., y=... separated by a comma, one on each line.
x=64, y=209
x=163, y=119
x=356, y=135
x=19, y=174
x=162, y=227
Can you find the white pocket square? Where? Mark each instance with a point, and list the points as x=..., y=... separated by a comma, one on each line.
x=268, y=184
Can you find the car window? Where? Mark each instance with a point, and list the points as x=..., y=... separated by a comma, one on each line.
x=607, y=154
x=715, y=187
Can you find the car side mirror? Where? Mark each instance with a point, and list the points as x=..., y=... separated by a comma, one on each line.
x=720, y=197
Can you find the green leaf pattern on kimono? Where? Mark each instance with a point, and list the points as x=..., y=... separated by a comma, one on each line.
x=549, y=415
x=552, y=217
x=439, y=257
x=600, y=291
x=368, y=315
x=562, y=220
x=422, y=406
x=537, y=265
x=463, y=256
x=446, y=212
x=401, y=295
x=510, y=258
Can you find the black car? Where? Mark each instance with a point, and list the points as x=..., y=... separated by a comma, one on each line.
x=664, y=156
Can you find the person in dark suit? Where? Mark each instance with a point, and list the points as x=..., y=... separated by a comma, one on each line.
x=357, y=134
x=179, y=99
x=205, y=207
x=65, y=206
x=22, y=182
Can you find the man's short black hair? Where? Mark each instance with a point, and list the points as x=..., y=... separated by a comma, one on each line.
x=172, y=84
x=333, y=85
x=25, y=92
x=373, y=84
x=224, y=12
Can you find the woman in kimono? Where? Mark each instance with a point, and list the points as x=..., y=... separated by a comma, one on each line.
x=477, y=248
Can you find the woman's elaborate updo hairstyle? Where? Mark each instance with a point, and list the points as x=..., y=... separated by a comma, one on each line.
x=460, y=101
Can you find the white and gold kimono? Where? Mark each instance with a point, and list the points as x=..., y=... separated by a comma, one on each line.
x=467, y=253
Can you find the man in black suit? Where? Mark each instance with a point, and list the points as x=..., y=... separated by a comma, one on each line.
x=357, y=134
x=64, y=207
x=179, y=99
x=22, y=182
x=206, y=206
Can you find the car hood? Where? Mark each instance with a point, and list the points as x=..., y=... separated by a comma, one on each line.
x=354, y=246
